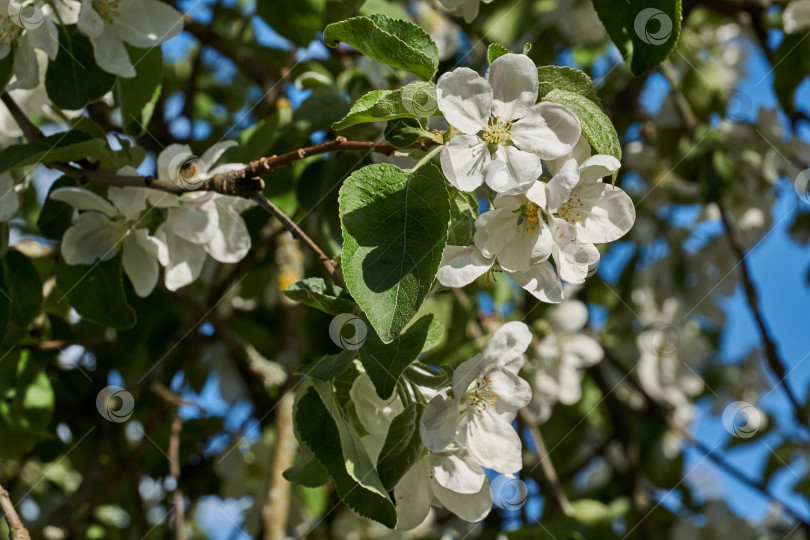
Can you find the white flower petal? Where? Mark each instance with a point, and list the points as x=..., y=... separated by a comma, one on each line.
x=569, y=317
x=538, y=194
x=45, y=37
x=457, y=471
x=373, y=412
x=196, y=223
x=606, y=213
x=513, y=392
x=92, y=238
x=26, y=67
x=129, y=201
x=494, y=229
x=211, y=155
x=526, y=248
x=581, y=152
x=548, y=130
x=413, y=496
x=232, y=241
x=469, y=507
x=514, y=82
x=583, y=351
x=84, y=200
x=170, y=159
x=570, y=385
x=147, y=23
x=437, y=427
x=466, y=373
x=541, y=281
x=90, y=22
x=560, y=186
x=493, y=442
x=465, y=99
x=513, y=171
x=509, y=341
x=110, y=53
x=140, y=262
x=9, y=202
x=464, y=159
x=573, y=259
x=461, y=265
x=597, y=167
x=186, y=262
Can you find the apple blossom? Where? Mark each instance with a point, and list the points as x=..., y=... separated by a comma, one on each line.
x=30, y=28
x=503, y=135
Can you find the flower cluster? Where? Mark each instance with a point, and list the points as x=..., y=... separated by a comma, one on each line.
x=465, y=429
x=506, y=139
x=196, y=224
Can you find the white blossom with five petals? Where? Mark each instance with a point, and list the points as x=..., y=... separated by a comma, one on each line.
x=504, y=133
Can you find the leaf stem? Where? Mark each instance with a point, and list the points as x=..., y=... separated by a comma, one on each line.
x=17, y=530
x=427, y=157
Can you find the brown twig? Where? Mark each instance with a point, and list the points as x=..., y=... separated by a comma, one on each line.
x=31, y=132
x=17, y=530
x=277, y=507
x=295, y=230
x=59, y=344
x=553, y=481
x=174, y=470
x=771, y=354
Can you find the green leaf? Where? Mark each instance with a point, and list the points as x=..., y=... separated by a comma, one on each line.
x=398, y=43
x=260, y=139
x=5, y=308
x=68, y=146
x=385, y=362
x=138, y=95
x=73, y=80
x=320, y=111
x=394, y=231
x=23, y=285
x=403, y=132
x=337, y=10
x=55, y=216
x=787, y=75
x=402, y=447
x=322, y=427
x=320, y=294
x=645, y=31
x=463, y=213
x=307, y=470
x=6, y=69
x=415, y=100
x=596, y=126
x=434, y=336
x=328, y=367
x=97, y=292
x=423, y=376
x=568, y=79
x=495, y=51
x=32, y=403
x=296, y=20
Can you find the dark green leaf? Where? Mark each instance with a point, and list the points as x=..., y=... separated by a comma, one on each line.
x=68, y=146
x=394, y=232
x=645, y=31
x=5, y=308
x=334, y=443
x=55, y=216
x=385, y=362
x=6, y=69
x=139, y=94
x=97, y=292
x=328, y=367
x=403, y=132
x=307, y=470
x=398, y=43
x=73, y=80
x=568, y=79
x=322, y=295
x=415, y=100
x=296, y=20
x=31, y=406
x=23, y=285
x=402, y=446
x=463, y=213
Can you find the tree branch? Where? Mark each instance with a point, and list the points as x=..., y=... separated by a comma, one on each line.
x=15, y=525
x=771, y=354
x=557, y=492
x=174, y=470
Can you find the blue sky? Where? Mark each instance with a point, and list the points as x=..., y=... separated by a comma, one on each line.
x=779, y=267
